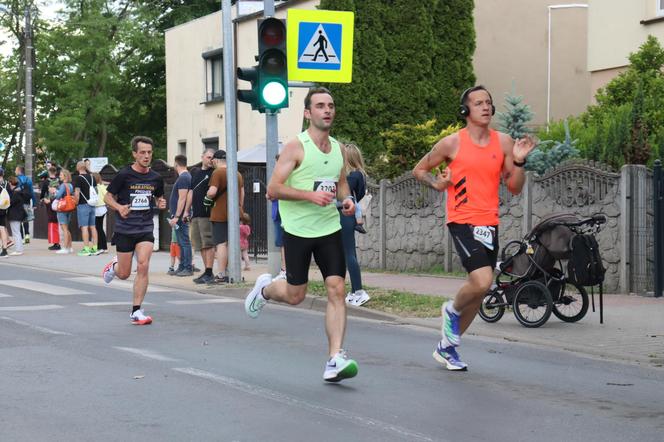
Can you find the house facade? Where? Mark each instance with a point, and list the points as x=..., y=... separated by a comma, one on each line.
x=194, y=85
x=617, y=28
x=511, y=52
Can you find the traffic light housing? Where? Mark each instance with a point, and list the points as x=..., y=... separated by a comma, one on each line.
x=249, y=96
x=272, y=64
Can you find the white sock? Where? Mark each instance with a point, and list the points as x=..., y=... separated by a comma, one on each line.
x=450, y=308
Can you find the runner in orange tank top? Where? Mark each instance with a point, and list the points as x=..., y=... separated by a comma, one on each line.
x=476, y=159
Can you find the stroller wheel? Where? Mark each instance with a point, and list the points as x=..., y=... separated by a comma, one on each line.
x=572, y=304
x=532, y=304
x=493, y=307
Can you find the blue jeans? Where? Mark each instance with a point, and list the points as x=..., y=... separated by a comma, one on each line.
x=182, y=235
x=348, y=237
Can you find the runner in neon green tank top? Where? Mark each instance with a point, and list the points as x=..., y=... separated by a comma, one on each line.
x=309, y=182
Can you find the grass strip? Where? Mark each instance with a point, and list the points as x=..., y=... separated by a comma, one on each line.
x=395, y=302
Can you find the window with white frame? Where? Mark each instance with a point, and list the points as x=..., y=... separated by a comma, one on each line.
x=214, y=87
x=660, y=8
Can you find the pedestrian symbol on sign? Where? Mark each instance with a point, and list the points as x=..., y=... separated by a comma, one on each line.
x=323, y=47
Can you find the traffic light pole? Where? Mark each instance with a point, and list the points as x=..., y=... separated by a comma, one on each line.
x=271, y=148
x=230, y=104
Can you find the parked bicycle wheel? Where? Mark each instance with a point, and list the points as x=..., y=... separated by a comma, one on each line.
x=493, y=306
x=572, y=305
x=532, y=304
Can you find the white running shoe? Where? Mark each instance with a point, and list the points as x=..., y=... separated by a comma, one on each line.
x=281, y=275
x=109, y=271
x=254, y=302
x=339, y=367
x=350, y=298
x=63, y=252
x=139, y=318
x=361, y=297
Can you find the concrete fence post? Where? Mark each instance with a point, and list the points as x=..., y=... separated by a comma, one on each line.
x=625, y=227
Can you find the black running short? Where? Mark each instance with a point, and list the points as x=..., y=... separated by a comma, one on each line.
x=473, y=253
x=328, y=252
x=125, y=242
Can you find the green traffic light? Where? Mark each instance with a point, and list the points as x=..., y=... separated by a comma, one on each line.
x=273, y=93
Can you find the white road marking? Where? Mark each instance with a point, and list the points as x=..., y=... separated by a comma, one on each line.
x=48, y=289
x=282, y=398
x=205, y=301
x=27, y=308
x=34, y=327
x=117, y=283
x=104, y=304
x=146, y=354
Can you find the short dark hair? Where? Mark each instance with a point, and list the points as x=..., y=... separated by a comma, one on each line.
x=181, y=160
x=219, y=155
x=140, y=139
x=470, y=90
x=53, y=169
x=313, y=91
x=21, y=169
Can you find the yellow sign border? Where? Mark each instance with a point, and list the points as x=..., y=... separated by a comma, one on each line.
x=346, y=19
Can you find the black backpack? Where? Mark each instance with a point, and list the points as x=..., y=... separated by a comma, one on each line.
x=585, y=264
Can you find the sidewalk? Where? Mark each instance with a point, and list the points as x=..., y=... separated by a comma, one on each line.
x=633, y=328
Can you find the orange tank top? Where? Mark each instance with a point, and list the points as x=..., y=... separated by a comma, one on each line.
x=472, y=197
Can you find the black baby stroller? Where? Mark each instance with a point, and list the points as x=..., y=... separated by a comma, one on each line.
x=531, y=277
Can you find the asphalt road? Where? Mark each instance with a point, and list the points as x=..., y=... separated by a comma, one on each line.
x=72, y=367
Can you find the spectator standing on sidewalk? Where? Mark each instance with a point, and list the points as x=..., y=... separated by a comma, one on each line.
x=179, y=219
x=49, y=187
x=25, y=183
x=65, y=217
x=217, y=198
x=201, y=228
x=356, y=178
x=475, y=158
x=100, y=214
x=4, y=238
x=85, y=194
x=16, y=215
x=245, y=232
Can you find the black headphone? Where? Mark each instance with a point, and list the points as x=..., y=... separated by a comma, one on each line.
x=464, y=110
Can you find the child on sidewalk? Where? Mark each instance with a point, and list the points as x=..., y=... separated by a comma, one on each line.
x=245, y=231
x=175, y=253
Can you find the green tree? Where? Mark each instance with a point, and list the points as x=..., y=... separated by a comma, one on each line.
x=542, y=159
x=411, y=61
x=514, y=121
x=625, y=124
x=405, y=145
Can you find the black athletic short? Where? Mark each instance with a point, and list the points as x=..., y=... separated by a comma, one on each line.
x=219, y=232
x=328, y=252
x=473, y=253
x=125, y=242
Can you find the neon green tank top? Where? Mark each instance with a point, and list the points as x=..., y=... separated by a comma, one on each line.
x=318, y=170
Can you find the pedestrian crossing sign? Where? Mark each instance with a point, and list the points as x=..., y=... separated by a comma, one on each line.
x=320, y=46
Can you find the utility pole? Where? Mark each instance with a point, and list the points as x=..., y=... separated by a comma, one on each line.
x=29, y=110
x=234, y=254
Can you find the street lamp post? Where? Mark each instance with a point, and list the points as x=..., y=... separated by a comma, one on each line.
x=548, y=64
x=29, y=109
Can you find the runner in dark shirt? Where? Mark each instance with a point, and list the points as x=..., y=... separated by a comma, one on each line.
x=133, y=193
